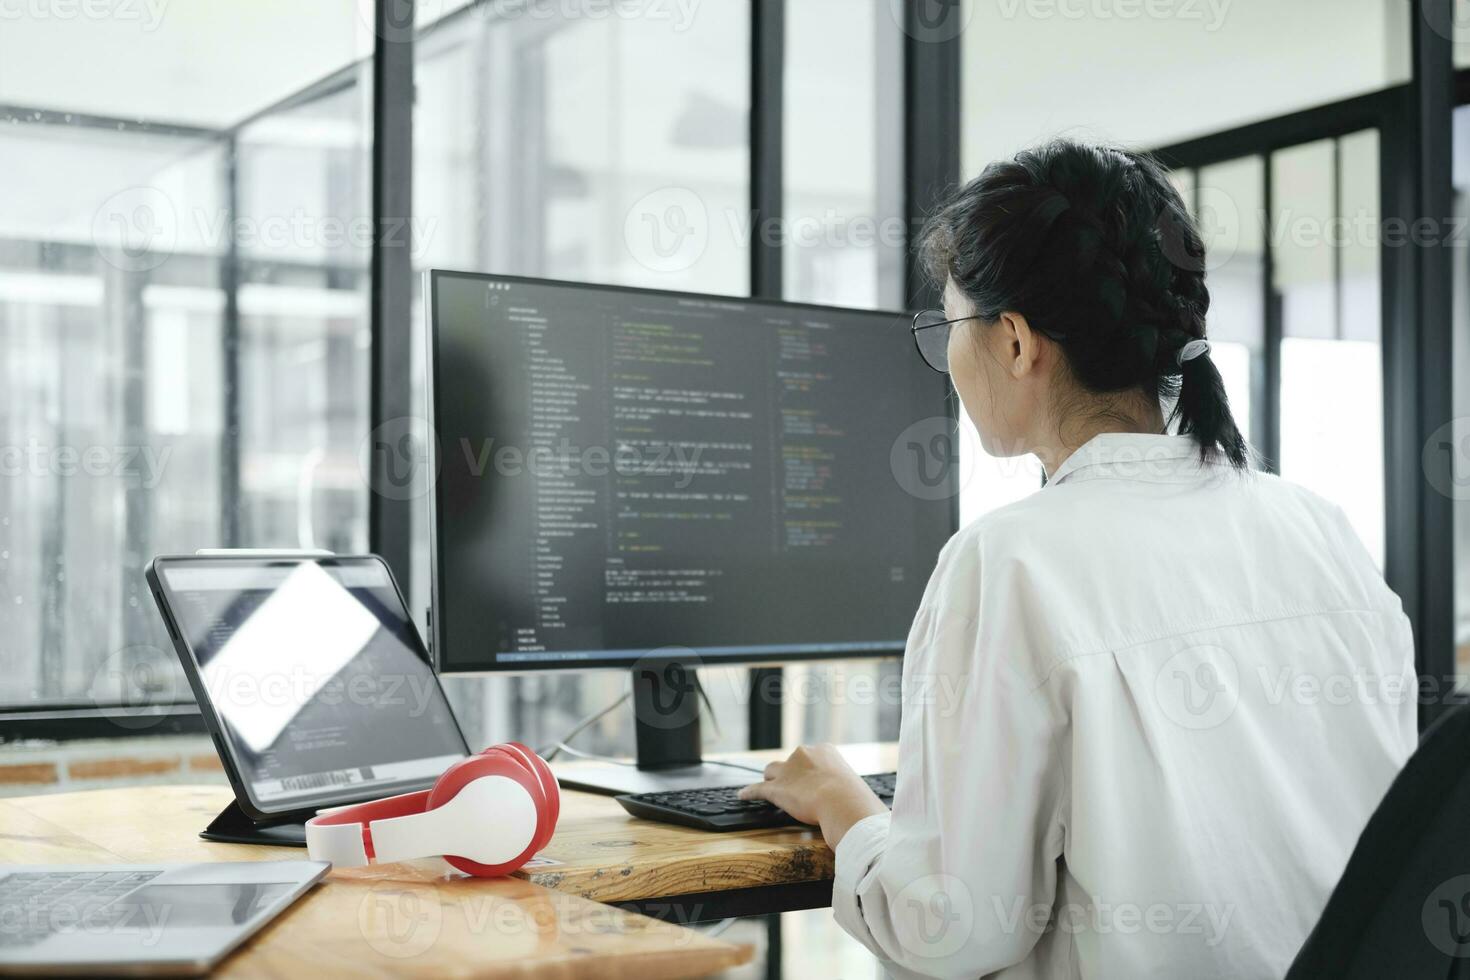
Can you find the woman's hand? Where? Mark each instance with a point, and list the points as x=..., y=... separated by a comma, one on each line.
x=817, y=786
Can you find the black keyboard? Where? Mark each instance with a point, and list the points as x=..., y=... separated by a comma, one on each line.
x=720, y=808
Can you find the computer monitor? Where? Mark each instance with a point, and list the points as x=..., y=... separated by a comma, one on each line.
x=633, y=476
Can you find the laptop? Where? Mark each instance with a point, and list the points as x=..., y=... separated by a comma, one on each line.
x=159, y=919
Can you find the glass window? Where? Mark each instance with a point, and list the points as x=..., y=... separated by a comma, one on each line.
x=1185, y=181
x=845, y=232
x=181, y=315
x=988, y=482
x=1325, y=197
x=1230, y=214
x=1182, y=68
x=582, y=146
x=304, y=321
x=1460, y=33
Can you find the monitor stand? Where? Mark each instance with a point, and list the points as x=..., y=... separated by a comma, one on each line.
x=666, y=698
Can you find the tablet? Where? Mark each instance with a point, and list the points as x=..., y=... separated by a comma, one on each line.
x=310, y=676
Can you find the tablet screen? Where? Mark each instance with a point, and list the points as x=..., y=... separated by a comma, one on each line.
x=316, y=675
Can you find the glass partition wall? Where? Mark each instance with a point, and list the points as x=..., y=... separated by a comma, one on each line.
x=183, y=315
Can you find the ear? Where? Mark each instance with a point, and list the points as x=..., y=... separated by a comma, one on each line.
x=1020, y=345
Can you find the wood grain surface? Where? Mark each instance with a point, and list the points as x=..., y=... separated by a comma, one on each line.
x=409, y=919
x=608, y=856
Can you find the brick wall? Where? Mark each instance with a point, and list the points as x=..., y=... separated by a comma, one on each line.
x=54, y=767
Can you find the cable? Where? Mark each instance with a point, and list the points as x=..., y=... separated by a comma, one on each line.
x=592, y=756
x=551, y=751
x=709, y=706
x=581, y=726
x=734, y=765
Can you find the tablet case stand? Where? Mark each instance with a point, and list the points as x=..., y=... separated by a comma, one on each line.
x=232, y=826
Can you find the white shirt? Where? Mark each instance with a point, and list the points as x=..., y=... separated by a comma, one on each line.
x=1147, y=712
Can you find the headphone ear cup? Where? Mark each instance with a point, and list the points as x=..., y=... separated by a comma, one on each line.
x=491, y=763
x=550, y=787
x=549, y=797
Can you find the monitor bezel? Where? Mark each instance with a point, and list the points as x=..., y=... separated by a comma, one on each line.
x=435, y=631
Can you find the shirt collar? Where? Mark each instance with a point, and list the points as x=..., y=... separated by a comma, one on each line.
x=1132, y=456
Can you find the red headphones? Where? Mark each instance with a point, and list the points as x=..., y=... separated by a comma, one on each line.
x=487, y=815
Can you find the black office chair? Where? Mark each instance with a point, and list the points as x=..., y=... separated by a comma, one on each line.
x=1402, y=908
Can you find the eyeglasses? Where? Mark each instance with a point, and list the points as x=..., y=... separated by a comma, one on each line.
x=931, y=337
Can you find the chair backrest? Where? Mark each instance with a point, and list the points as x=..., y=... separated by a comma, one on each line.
x=1402, y=907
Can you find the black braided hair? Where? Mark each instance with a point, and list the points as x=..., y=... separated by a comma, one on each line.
x=1093, y=245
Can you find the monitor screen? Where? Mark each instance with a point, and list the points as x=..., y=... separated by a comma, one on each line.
x=621, y=471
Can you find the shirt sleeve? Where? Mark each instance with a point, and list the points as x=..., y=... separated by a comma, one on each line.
x=959, y=880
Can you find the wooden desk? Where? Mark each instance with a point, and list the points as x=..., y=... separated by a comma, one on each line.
x=686, y=875
x=402, y=919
